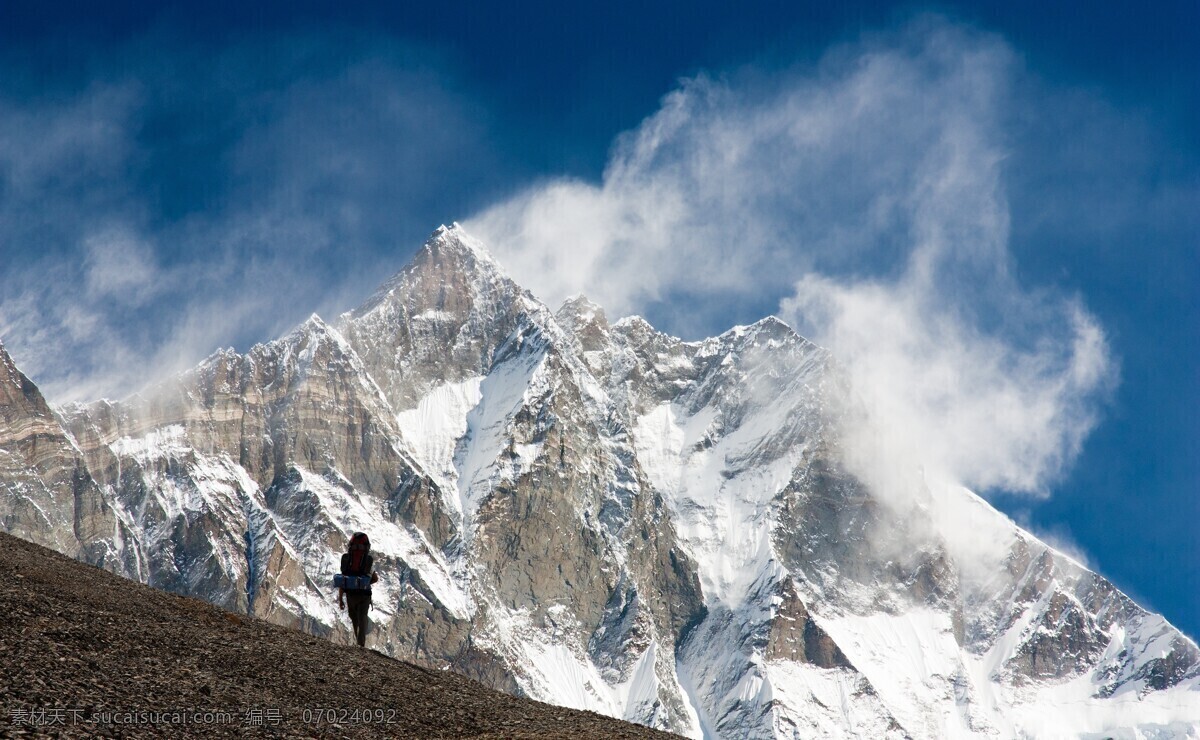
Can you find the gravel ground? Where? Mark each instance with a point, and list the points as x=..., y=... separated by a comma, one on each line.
x=84, y=653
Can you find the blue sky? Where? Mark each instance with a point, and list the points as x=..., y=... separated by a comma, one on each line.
x=1014, y=187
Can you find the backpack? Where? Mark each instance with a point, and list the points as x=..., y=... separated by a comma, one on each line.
x=358, y=575
x=360, y=545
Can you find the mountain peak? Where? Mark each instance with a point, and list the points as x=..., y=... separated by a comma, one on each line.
x=579, y=310
x=769, y=328
x=316, y=324
x=17, y=392
x=312, y=327
x=585, y=321
x=772, y=327
x=439, y=319
x=449, y=255
x=455, y=239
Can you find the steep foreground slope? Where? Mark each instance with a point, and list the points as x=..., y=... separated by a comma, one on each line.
x=87, y=653
x=596, y=515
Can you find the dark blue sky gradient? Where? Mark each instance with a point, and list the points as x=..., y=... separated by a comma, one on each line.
x=550, y=85
x=574, y=75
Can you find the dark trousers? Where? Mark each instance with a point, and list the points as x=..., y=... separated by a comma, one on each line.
x=357, y=603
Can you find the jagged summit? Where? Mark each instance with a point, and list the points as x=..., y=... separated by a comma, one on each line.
x=46, y=495
x=637, y=324
x=453, y=279
x=769, y=325
x=581, y=304
x=455, y=237
x=312, y=329
x=440, y=319
x=449, y=249
x=454, y=245
x=11, y=378
x=768, y=328
x=584, y=321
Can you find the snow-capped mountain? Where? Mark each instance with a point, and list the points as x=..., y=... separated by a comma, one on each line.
x=596, y=515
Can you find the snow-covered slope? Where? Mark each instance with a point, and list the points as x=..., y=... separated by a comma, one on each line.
x=597, y=515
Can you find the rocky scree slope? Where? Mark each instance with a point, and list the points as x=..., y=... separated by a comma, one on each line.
x=593, y=514
x=93, y=645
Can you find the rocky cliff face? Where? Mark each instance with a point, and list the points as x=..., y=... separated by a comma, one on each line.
x=593, y=514
x=49, y=497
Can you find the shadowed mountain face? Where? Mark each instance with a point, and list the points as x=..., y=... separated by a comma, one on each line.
x=593, y=514
x=88, y=653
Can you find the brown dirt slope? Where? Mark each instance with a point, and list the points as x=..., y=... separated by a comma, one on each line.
x=84, y=653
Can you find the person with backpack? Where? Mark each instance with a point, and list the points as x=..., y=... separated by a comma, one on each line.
x=354, y=584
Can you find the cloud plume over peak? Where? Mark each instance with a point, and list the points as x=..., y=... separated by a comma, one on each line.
x=970, y=406
x=216, y=196
x=864, y=199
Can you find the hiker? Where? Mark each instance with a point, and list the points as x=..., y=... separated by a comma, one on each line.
x=355, y=584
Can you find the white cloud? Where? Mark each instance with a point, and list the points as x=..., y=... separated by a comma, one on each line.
x=986, y=412
x=120, y=266
x=866, y=197
x=180, y=202
x=56, y=144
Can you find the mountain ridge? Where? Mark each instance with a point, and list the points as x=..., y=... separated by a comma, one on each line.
x=608, y=517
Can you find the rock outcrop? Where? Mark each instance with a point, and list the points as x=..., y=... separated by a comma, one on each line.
x=47, y=494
